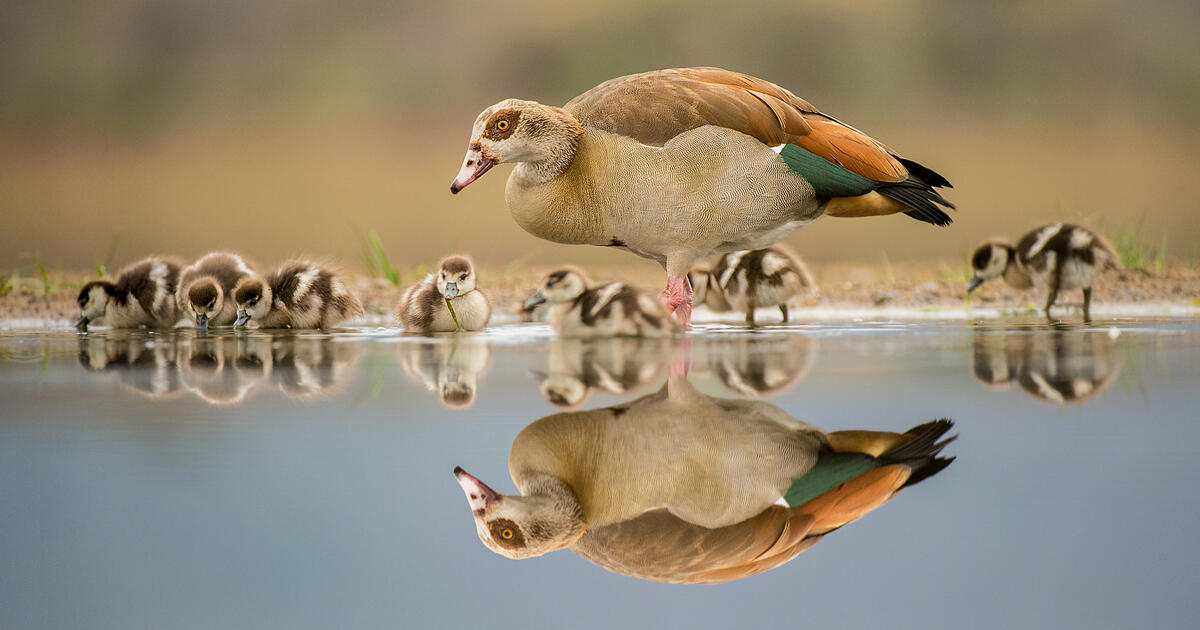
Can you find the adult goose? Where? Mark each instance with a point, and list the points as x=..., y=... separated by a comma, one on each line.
x=678, y=165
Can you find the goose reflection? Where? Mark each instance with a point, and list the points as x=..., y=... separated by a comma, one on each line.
x=148, y=369
x=451, y=369
x=222, y=369
x=762, y=365
x=617, y=365
x=678, y=486
x=1062, y=366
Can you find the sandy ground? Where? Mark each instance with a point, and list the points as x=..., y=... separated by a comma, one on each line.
x=864, y=289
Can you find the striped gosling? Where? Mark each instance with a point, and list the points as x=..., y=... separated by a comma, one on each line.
x=604, y=311
x=142, y=295
x=298, y=294
x=205, y=292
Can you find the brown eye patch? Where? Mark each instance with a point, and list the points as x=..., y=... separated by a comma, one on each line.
x=506, y=533
x=502, y=124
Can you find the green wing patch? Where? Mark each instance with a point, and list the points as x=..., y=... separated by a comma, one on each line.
x=831, y=470
x=827, y=178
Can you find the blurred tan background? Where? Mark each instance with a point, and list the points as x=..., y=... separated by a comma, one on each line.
x=281, y=127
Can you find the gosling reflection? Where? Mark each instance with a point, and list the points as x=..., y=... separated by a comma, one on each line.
x=149, y=370
x=678, y=486
x=223, y=370
x=577, y=367
x=449, y=369
x=1059, y=367
x=762, y=365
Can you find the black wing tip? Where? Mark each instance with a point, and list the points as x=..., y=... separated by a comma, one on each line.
x=921, y=452
x=924, y=173
x=922, y=198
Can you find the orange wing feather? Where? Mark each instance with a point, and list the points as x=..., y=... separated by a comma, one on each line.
x=653, y=107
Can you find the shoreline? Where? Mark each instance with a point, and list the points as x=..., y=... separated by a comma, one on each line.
x=904, y=291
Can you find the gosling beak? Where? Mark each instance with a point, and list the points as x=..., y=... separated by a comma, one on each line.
x=478, y=494
x=475, y=164
x=451, y=290
x=202, y=321
x=974, y=283
x=532, y=301
x=81, y=324
x=243, y=318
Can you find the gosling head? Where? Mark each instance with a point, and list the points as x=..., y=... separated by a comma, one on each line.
x=93, y=299
x=989, y=262
x=520, y=131
x=456, y=276
x=203, y=300
x=253, y=298
x=564, y=390
x=518, y=526
x=563, y=285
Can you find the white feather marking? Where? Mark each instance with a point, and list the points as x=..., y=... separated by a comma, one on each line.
x=1080, y=238
x=1044, y=236
x=777, y=148
x=773, y=262
x=302, y=287
x=158, y=274
x=605, y=295
x=732, y=259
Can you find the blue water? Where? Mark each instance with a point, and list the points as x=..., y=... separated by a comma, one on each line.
x=304, y=481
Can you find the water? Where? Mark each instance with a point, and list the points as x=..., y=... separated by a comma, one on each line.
x=304, y=481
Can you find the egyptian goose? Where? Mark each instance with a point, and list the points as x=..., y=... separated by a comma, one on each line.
x=678, y=486
x=1054, y=258
x=142, y=295
x=425, y=306
x=613, y=309
x=298, y=294
x=677, y=165
x=205, y=292
x=768, y=277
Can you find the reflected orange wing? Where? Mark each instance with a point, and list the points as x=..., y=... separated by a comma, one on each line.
x=654, y=107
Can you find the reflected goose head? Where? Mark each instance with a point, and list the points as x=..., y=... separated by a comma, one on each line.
x=523, y=526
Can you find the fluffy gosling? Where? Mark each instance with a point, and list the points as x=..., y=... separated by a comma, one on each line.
x=142, y=295
x=205, y=292
x=298, y=294
x=423, y=306
x=607, y=310
x=1054, y=258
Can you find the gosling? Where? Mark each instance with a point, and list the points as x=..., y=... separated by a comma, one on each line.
x=142, y=295
x=206, y=289
x=425, y=307
x=298, y=294
x=604, y=311
x=749, y=279
x=1054, y=258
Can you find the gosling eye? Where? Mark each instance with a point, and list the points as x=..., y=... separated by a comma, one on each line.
x=463, y=277
x=502, y=125
x=506, y=533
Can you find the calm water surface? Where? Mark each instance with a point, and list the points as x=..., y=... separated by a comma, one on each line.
x=304, y=481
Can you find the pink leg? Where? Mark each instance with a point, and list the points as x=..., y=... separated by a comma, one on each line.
x=678, y=298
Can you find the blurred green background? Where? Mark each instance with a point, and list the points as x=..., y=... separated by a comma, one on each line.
x=281, y=127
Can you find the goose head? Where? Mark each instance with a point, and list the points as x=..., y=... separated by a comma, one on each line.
x=989, y=262
x=456, y=276
x=541, y=136
x=524, y=526
x=563, y=285
x=253, y=298
x=93, y=299
x=204, y=299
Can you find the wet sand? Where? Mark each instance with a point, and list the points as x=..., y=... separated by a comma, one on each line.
x=897, y=291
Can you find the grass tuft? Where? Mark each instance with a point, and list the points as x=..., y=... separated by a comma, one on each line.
x=1135, y=250
x=46, y=284
x=375, y=257
x=889, y=276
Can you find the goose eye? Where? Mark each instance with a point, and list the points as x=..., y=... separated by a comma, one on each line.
x=463, y=277
x=506, y=533
x=502, y=125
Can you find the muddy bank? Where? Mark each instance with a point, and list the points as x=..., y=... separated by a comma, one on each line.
x=889, y=290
